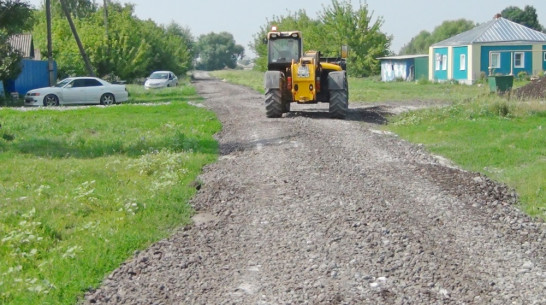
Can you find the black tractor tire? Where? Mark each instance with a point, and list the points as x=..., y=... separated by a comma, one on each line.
x=339, y=101
x=51, y=100
x=287, y=106
x=274, y=107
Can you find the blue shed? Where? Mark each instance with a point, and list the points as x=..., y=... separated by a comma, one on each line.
x=406, y=67
x=34, y=72
x=499, y=46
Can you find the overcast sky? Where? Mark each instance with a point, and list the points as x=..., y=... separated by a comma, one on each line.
x=403, y=19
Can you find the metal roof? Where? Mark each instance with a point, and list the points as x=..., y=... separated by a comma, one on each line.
x=22, y=43
x=496, y=30
x=401, y=57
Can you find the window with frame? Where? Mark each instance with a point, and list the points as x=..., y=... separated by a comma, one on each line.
x=438, y=61
x=462, y=63
x=544, y=56
x=494, y=60
x=444, y=62
x=519, y=60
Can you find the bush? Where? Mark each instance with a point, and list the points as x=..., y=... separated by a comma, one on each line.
x=423, y=81
x=522, y=75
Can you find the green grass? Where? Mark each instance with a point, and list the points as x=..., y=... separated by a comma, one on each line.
x=367, y=90
x=482, y=132
x=249, y=78
x=82, y=188
x=506, y=140
x=374, y=90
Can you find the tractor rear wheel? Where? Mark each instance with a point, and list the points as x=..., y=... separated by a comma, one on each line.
x=274, y=107
x=339, y=99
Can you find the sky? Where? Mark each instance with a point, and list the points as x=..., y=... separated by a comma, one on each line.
x=403, y=19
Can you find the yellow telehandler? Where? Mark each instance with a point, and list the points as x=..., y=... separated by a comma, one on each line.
x=295, y=77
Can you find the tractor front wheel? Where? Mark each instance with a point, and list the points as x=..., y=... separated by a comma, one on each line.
x=274, y=107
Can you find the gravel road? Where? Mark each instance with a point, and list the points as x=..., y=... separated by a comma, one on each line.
x=306, y=209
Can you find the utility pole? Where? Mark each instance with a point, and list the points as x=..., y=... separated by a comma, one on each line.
x=78, y=41
x=49, y=44
x=106, y=18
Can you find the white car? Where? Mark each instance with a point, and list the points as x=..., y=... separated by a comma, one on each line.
x=161, y=79
x=78, y=90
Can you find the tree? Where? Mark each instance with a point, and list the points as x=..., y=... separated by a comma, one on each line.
x=299, y=20
x=420, y=43
x=527, y=17
x=78, y=8
x=344, y=25
x=15, y=17
x=337, y=25
x=132, y=49
x=218, y=51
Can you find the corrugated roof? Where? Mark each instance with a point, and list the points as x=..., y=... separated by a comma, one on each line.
x=496, y=30
x=404, y=56
x=22, y=43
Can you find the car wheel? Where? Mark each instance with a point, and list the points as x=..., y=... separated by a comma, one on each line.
x=107, y=99
x=51, y=100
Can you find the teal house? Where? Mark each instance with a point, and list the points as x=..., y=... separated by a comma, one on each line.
x=499, y=46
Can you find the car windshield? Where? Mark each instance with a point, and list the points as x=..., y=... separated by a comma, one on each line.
x=63, y=82
x=159, y=76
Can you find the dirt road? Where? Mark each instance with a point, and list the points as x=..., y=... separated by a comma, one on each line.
x=310, y=210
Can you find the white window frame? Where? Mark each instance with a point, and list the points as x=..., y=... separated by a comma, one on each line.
x=444, y=62
x=495, y=64
x=438, y=61
x=521, y=60
x=544, y=56
x=462, y=63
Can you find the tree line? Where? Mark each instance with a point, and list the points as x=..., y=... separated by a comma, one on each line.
x=338, y=24
x=120, y=47
x=128, y=48
x=422, y=41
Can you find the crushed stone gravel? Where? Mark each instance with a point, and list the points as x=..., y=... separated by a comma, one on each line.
x=306, y=209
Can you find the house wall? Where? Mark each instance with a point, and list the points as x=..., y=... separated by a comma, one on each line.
x=460, y=68
x=538, y=59
x=395, y=69
x=506, y=58
x=421, y=68
x=474, y=54
x=544, y=58
x=440, y=64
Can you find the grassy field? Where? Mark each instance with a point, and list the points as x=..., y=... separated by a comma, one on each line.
x=368, y=90
x=82, y=188
x=502, y=138
x=506, y=140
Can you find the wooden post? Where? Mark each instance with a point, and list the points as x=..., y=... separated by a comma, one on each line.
x=49, y=44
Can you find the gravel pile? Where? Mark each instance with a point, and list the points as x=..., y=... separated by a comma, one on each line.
x=536, y=89
x=309, y=210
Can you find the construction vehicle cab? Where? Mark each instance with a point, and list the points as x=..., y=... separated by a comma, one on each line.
x=297, y=77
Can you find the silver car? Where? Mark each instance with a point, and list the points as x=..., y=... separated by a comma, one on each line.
x=161, y=79
x=78, y=90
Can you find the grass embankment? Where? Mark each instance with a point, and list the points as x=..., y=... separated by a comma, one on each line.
x=82, y=188
x=504, y=139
